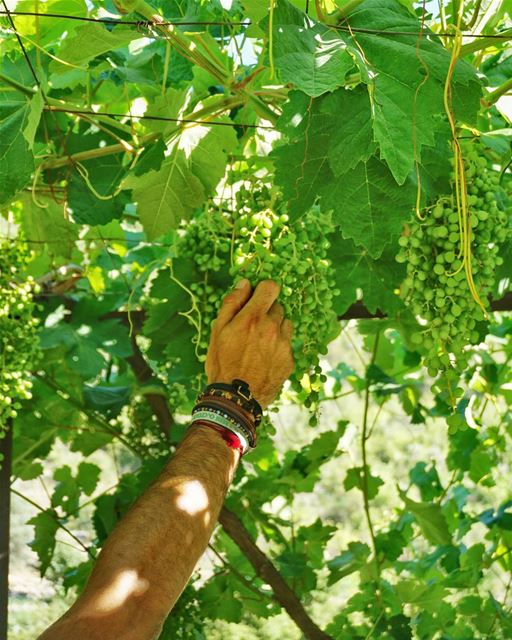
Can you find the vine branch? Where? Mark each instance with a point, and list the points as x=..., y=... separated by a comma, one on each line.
x=264, y=568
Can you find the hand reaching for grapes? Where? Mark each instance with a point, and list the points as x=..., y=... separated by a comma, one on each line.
x=251, y=341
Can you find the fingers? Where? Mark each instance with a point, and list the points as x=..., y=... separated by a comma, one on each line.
x=263, y=298
x=233, y=303
x=276, y=312
x=287, y=329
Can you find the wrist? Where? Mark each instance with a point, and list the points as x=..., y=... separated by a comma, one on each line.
x=198, y=435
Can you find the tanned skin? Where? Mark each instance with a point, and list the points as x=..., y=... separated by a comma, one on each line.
x=148, y=559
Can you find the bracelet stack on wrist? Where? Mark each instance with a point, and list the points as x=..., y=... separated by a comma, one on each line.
x=231, y=408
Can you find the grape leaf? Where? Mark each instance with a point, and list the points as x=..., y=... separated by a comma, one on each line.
x=104, y=174
x=168, y=105
x=194, y=167
x=302, y=164
x=354, y=478
x=89, y=41
x=49, y=30
x=151, y=158
x=351, y=138
x=430, y=519
x=69, y=487
x=16, y=160
x=87, y=477
x=355, y=269
x=349, y=561
x=48, y=226
x=167, y=196
x=306, y=53
x=36, y=110
x=45, y=528
x=368, y=205
x=408, y=76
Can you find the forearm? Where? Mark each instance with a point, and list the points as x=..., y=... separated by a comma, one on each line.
x=148, y=559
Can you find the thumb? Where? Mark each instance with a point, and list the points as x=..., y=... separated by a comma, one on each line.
x=233, y=303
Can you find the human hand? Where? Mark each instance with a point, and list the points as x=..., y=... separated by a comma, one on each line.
x=251, y=341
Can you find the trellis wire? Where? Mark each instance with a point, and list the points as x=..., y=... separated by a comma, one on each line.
x=246, y=23
x=159, y=118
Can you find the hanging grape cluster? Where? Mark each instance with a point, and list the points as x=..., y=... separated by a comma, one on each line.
x=437, y=289
x=18, y=329
x=256, y=242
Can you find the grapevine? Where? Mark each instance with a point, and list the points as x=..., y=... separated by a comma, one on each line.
x=436, y=251
x=18, y=329
x=256, y=241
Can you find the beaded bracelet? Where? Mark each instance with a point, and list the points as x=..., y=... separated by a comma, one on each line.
x=232, y=412
x=225, y=420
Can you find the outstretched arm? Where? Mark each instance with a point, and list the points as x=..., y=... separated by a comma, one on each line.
x=148, y=559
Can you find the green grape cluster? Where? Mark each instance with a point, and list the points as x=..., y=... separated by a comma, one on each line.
x=436, y=288
x=19, y=346
x=258, y=243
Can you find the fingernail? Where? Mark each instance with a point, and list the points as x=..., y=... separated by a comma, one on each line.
x=243, y=283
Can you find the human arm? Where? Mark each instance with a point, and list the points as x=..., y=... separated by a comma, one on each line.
x=149, y=557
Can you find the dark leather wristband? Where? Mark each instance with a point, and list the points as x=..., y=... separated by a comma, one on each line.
x=238, y=391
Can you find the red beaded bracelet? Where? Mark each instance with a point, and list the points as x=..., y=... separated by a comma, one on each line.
x=230, y=438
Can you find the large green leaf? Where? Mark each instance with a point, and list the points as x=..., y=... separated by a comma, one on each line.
x=366, y=201
x=368, y=205
x=351, y=137
x=405, y=78
x=48, y=226
x=306, y=53
x=193, y=168
x=408, y=76
x=50, y=29
x=302, y=165
x=91, y=40
x=104, y=175
x=167, y=196
x=355, y=269
x=16, y=160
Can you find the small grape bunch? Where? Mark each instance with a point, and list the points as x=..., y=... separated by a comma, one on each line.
x=438, y=251
x=19, y=345
x=295, y=256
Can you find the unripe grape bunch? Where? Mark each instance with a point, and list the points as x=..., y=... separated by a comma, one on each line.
x=436, y=288
x=259, y=244
x=19, y=345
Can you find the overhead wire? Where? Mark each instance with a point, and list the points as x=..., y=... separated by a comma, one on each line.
x=246, y=23
x=160, y=118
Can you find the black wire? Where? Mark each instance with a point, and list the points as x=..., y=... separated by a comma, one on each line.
x=123, y=115
x=247, y=23
x=136, y=23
